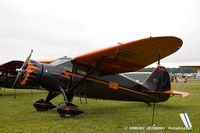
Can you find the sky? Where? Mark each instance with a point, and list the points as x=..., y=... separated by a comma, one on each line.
x=60, y=28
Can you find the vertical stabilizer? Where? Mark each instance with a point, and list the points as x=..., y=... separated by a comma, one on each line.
x=159, y=80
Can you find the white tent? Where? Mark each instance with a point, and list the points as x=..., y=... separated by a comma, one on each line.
x=198, y=75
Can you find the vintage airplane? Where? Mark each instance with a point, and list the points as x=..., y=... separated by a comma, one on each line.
x=97, y=75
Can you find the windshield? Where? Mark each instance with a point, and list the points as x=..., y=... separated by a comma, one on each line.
x=60, y=61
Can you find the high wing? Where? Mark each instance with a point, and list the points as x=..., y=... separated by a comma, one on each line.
x=130, y=56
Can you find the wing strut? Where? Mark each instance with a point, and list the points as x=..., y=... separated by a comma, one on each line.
x=159, y=53
x=154, y=103
x=88, y=73
x=154, y=106
x=68, y=93
x=67, y=108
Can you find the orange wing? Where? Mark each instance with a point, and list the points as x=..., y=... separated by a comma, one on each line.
x=130, y=56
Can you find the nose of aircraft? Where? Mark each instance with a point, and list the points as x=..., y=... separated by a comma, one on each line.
x=32, y=74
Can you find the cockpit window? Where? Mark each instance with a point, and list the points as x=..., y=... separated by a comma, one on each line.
x=67, y=66
x=82, y=70
x=63, y=63
x=60, y=61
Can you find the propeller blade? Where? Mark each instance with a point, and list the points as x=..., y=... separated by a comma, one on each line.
x=20, y=71
x=18, y=75
x=27, y=60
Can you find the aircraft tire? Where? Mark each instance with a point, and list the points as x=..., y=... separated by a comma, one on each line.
x=41, y=105
x=66, y=109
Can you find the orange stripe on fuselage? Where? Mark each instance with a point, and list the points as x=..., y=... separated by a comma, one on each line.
x=64, y=75
x=105, y=83
x=31, y=68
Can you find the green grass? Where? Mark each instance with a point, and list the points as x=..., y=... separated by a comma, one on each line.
x=19, y=116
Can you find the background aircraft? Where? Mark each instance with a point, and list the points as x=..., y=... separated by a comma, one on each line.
x=97, y=75
x=196, y=68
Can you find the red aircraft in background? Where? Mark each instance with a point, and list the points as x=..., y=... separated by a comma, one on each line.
x=97, y=75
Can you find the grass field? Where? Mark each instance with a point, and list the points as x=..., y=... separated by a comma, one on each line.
x=18, y=115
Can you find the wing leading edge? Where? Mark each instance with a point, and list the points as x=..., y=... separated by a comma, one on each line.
x=130, y=56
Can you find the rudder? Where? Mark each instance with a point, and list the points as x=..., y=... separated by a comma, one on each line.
x=159, y=80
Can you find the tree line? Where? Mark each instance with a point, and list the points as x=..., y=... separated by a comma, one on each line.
x=170, y=70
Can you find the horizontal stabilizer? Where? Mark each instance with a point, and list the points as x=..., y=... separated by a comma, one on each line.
x=174, y=92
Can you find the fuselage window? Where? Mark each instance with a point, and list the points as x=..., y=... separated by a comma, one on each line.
x=66, y=66
x=80, y=70
x=83, y=71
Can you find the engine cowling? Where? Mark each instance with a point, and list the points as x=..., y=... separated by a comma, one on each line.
x=32, y=74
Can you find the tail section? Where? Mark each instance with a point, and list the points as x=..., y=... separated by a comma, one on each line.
x=159, y=80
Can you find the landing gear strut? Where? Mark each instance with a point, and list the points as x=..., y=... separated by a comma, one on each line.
x=66, y=108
